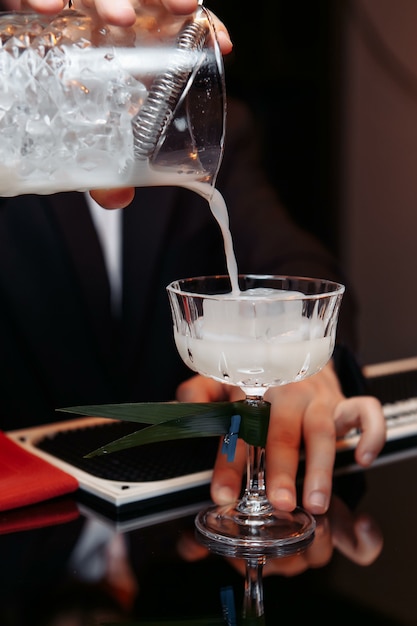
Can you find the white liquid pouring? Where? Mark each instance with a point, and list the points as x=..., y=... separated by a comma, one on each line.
x=219, y=210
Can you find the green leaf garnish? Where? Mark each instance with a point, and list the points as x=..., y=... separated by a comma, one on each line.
x=179, y=420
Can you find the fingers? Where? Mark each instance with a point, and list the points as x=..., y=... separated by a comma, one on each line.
x=290, y=424
x=226, y=482
x=303, y=412
x=320, y=451
x=113, y=198
x=283, y=446
x=223, y=37
x=120, y=13
x=180, y=7
x=322, y=425
x=314, y=412
x=364, y=413
x=41, y=6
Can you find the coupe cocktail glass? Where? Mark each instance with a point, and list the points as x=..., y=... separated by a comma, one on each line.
x=275, y=330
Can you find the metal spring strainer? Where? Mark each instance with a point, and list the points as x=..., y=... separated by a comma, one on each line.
x=166, y=90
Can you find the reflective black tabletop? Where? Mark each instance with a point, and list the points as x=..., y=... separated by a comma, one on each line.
x=66, y=563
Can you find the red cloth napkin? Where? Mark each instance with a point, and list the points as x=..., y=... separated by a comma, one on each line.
x=27, y=479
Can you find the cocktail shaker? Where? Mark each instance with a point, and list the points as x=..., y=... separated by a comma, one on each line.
x=85, y=105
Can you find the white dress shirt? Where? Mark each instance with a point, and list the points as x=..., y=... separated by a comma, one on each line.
x=108, y=223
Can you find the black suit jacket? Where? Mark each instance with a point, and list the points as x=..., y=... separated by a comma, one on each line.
x=59, y=344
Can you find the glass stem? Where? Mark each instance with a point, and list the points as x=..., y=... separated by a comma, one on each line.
x=254, y=500
x=253, y=606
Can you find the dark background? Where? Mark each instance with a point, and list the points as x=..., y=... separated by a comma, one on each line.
x=285, y=66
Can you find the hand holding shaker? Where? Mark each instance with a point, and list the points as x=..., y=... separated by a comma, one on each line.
x=84, y=105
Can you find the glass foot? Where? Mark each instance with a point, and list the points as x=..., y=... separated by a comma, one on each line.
x=239, y=534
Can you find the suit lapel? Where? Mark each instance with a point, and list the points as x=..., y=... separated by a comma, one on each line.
x=145, y=227
x=72, y=219
x=146, y=224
